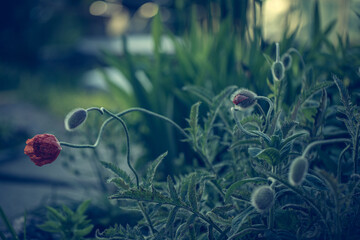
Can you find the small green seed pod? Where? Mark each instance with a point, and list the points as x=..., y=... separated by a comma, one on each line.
x=286, y=59
x=278, y=71
x=75, y=118
x=262, y=198
x=298, y=170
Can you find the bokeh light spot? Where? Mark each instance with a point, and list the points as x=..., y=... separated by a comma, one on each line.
x=148, y=10
x=98, y=8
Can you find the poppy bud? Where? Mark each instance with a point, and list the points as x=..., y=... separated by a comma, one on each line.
x=286, y=59
x=243, y=98
x=75, y=118
x=42, y=149
x=298, y=170
x=278, y=71
x=262, y=198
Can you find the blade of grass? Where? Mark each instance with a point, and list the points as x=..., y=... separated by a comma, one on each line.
x=8, y=224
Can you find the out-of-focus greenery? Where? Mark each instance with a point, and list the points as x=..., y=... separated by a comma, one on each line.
x=219, y=51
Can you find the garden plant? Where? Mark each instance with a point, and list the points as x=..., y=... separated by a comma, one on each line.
x=269, y=145
x=263, y=171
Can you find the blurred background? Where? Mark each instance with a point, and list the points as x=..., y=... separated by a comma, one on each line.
x=60, y=55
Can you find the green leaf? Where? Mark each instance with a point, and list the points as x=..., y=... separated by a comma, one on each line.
x=314, y=89
x=50, y=226
x=244, y=142
x=253, y=151
x=270, y=155
x=218, y=219
x=119, y=172
x=8, y=224
x=144, y=195
x=119, y=182
x=81, y=209
x=263, y=136
x=239, y=183
x=184, y=188
x=193, y=121
x=156, y=30
x=291, y=138
x=239, y=220
x=83, y=232
x=268, y=59
x=150, y=174
x=56, y=214
x=192, y=193
x=172, y=190
x=171, y=218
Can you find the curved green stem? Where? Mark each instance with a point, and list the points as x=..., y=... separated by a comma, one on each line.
x=271, y=107
x=105, y=123
x=127, y=143
x=277, y=52
x=328, y=141
x=240, y=126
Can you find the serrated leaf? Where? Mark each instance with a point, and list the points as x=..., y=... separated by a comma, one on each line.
x=239, y=183
x=314, y=89
x=50, y=226
x=309, y=114
x=150, y=173
x=119, y=182
x=81, y=209
x=193, y=121
x=270, y=155
x=171, y=218
x=83, y=232
x=192, y=193
x=119, y=172
x=144, y=195
x=172, y=190
x=184, y=188
x=56, y=214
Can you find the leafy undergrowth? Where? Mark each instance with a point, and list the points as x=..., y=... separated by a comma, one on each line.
x=262, y=170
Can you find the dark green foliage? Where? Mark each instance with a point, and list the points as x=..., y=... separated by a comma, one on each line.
x=69, y=224
x=230, y=152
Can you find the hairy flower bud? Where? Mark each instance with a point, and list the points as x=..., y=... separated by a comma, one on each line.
x=298, y=170
x=75, y=118
x=42, y=149
x=286, y=59
x=262, y=198
x=278, y=71
x=243, y=98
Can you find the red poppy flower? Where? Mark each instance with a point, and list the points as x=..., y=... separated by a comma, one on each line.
x=42, y=149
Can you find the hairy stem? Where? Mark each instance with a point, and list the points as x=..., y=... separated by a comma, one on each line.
x=271, y=107
x=127, y=143
x=328, y=141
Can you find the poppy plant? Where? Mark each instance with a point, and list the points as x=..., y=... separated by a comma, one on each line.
x=42, y=149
